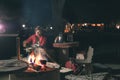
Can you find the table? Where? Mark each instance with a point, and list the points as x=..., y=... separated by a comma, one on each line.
x=64, y=50
x=12, y=66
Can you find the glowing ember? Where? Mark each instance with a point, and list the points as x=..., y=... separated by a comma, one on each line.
x=36, y=62
x=31, y=58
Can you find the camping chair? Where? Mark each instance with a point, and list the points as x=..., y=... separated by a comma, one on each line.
x=86, y=63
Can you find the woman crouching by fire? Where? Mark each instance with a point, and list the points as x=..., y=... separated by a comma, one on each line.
x=38, y=42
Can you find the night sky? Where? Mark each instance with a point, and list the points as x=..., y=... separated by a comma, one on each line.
x=26, y=10
x=39, y=12
x=18, y=12
x=10, y=9
x=10, y=14
x=91, y=10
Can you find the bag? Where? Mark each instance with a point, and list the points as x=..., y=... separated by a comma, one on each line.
x=71, y=64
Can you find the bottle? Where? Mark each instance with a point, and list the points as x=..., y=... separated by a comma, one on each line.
x=60, y=37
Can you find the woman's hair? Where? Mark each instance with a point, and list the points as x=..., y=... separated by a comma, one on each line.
x=38, y=28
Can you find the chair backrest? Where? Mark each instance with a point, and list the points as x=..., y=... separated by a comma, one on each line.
x=89, y=54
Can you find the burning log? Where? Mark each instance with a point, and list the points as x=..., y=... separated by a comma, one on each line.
x=48, y=66
x=37, y=61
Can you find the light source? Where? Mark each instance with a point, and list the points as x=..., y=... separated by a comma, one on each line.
x=2, y=28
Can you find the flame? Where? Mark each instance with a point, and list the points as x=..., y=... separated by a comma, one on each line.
x=31, y=58
x=36, y=60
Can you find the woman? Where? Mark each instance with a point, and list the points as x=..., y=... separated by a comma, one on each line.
x=36, y=39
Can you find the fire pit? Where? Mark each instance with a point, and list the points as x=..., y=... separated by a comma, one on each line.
x=18, y=70
x=48, y=67
x=37, y=62
x=45, y=75
x=38, y=67
x=50, y=72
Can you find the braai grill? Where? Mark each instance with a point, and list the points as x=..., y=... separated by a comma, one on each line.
x=19, y=69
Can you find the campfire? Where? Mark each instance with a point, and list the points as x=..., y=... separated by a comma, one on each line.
x=38, y=63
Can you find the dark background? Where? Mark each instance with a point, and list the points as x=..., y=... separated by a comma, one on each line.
x=39, y=12
x=14, y=13
x=91, y=10
x=8, y=47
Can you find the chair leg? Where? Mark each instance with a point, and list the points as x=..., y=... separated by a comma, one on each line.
x=88, y=68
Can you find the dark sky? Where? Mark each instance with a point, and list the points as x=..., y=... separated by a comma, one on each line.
x=39, y=11
x=91, y=10
x=35, y=12
x=10, y=13
x=10, y=9
x=14, y=13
